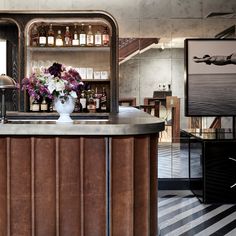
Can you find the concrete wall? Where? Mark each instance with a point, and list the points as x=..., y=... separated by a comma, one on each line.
x=169, y=20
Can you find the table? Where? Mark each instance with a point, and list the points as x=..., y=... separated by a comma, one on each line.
x=212, y=164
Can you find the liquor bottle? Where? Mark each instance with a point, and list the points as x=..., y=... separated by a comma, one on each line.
x=90, y=38
x=42, y=36
x=103, y=101
x=83, y=101
x=98, y=38
x=67, y=38
x=59, y=41
x=91, y=106
x=82, y=36
x=75, y=40
x=34, y=36
x=78, y=106
x=105, y=37
x=44, y=105
x=97, y=100
x=35, y=106
x=50, y=36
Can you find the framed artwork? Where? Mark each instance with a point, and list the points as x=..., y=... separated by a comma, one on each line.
x=210, y=77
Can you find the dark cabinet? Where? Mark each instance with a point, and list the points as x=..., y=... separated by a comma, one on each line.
x=220, y=171
x=161, y=94
x=212, y=167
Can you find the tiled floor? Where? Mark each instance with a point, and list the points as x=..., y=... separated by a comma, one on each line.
x=180, y=213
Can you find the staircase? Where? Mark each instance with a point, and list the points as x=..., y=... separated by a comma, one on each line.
x=129, y=47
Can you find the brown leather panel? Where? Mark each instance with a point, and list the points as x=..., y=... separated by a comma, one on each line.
x=94, y=186
x=20, y=187
x=45, y=186
x=122, y=186
x=153, y=185
x=3, y=188
x=141, y=186
x=69, y=169
x=58, y=185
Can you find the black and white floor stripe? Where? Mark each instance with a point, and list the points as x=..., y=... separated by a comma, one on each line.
x=181, y=214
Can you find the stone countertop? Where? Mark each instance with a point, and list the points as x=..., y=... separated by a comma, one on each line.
x=129, y=121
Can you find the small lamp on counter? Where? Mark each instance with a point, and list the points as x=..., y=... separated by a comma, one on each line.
x=6, y=82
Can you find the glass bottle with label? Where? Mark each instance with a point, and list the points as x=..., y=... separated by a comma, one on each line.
x=44, y=105
x=82, y=36
x=75, y=40
x=35, y=36
x=83, y=101
x=50, y=36
x=67, y=38
x=98, y=38
x=103, y=101
x=91, y=106
x=59, y=41
x=105, y=37
x=78, y=106
x=97, y=99
x=42, y=36
x=90, y=36
x=35, y=105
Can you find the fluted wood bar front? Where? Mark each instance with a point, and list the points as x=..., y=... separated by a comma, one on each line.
x=78, y=185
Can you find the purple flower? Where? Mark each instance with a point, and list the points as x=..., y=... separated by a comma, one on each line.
x=55, y=69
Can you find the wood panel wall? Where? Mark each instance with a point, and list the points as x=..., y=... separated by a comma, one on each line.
x=78, y=186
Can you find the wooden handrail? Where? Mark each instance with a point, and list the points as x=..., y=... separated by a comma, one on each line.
x=128, y=46
x=216, y=124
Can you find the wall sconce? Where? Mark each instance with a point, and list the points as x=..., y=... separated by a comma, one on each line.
x=6, y=82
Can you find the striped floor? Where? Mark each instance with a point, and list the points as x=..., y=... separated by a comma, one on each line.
x=180, y=213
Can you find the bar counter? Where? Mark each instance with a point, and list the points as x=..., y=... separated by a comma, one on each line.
x=129, y=121
x=87, y=178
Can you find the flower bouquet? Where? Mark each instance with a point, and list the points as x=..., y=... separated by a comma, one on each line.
x=57, y=83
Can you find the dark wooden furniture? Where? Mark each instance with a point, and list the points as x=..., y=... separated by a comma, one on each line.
x=162, y=94
x=24, y=56
x=170, y=102
x=212, y=165
x=130, y=101
x=151, y=107
x=174, y=104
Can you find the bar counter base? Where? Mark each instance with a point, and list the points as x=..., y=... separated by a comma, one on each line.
x=78, y=185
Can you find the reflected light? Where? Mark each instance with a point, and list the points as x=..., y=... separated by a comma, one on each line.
x=3, y=53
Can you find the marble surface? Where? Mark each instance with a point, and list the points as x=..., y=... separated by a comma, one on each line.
x=129, y=121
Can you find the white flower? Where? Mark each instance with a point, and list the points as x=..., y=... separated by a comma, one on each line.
x=60, y=86
x=51, y=86
x=73, y=94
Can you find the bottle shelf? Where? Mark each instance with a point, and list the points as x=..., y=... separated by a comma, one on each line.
x=70, y=49
x=96, y=80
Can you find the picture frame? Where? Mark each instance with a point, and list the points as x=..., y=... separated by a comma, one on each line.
x=210, y=77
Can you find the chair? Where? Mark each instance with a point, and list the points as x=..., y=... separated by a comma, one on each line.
x=151, y=107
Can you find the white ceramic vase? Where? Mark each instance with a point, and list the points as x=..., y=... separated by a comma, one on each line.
x=64, y=108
